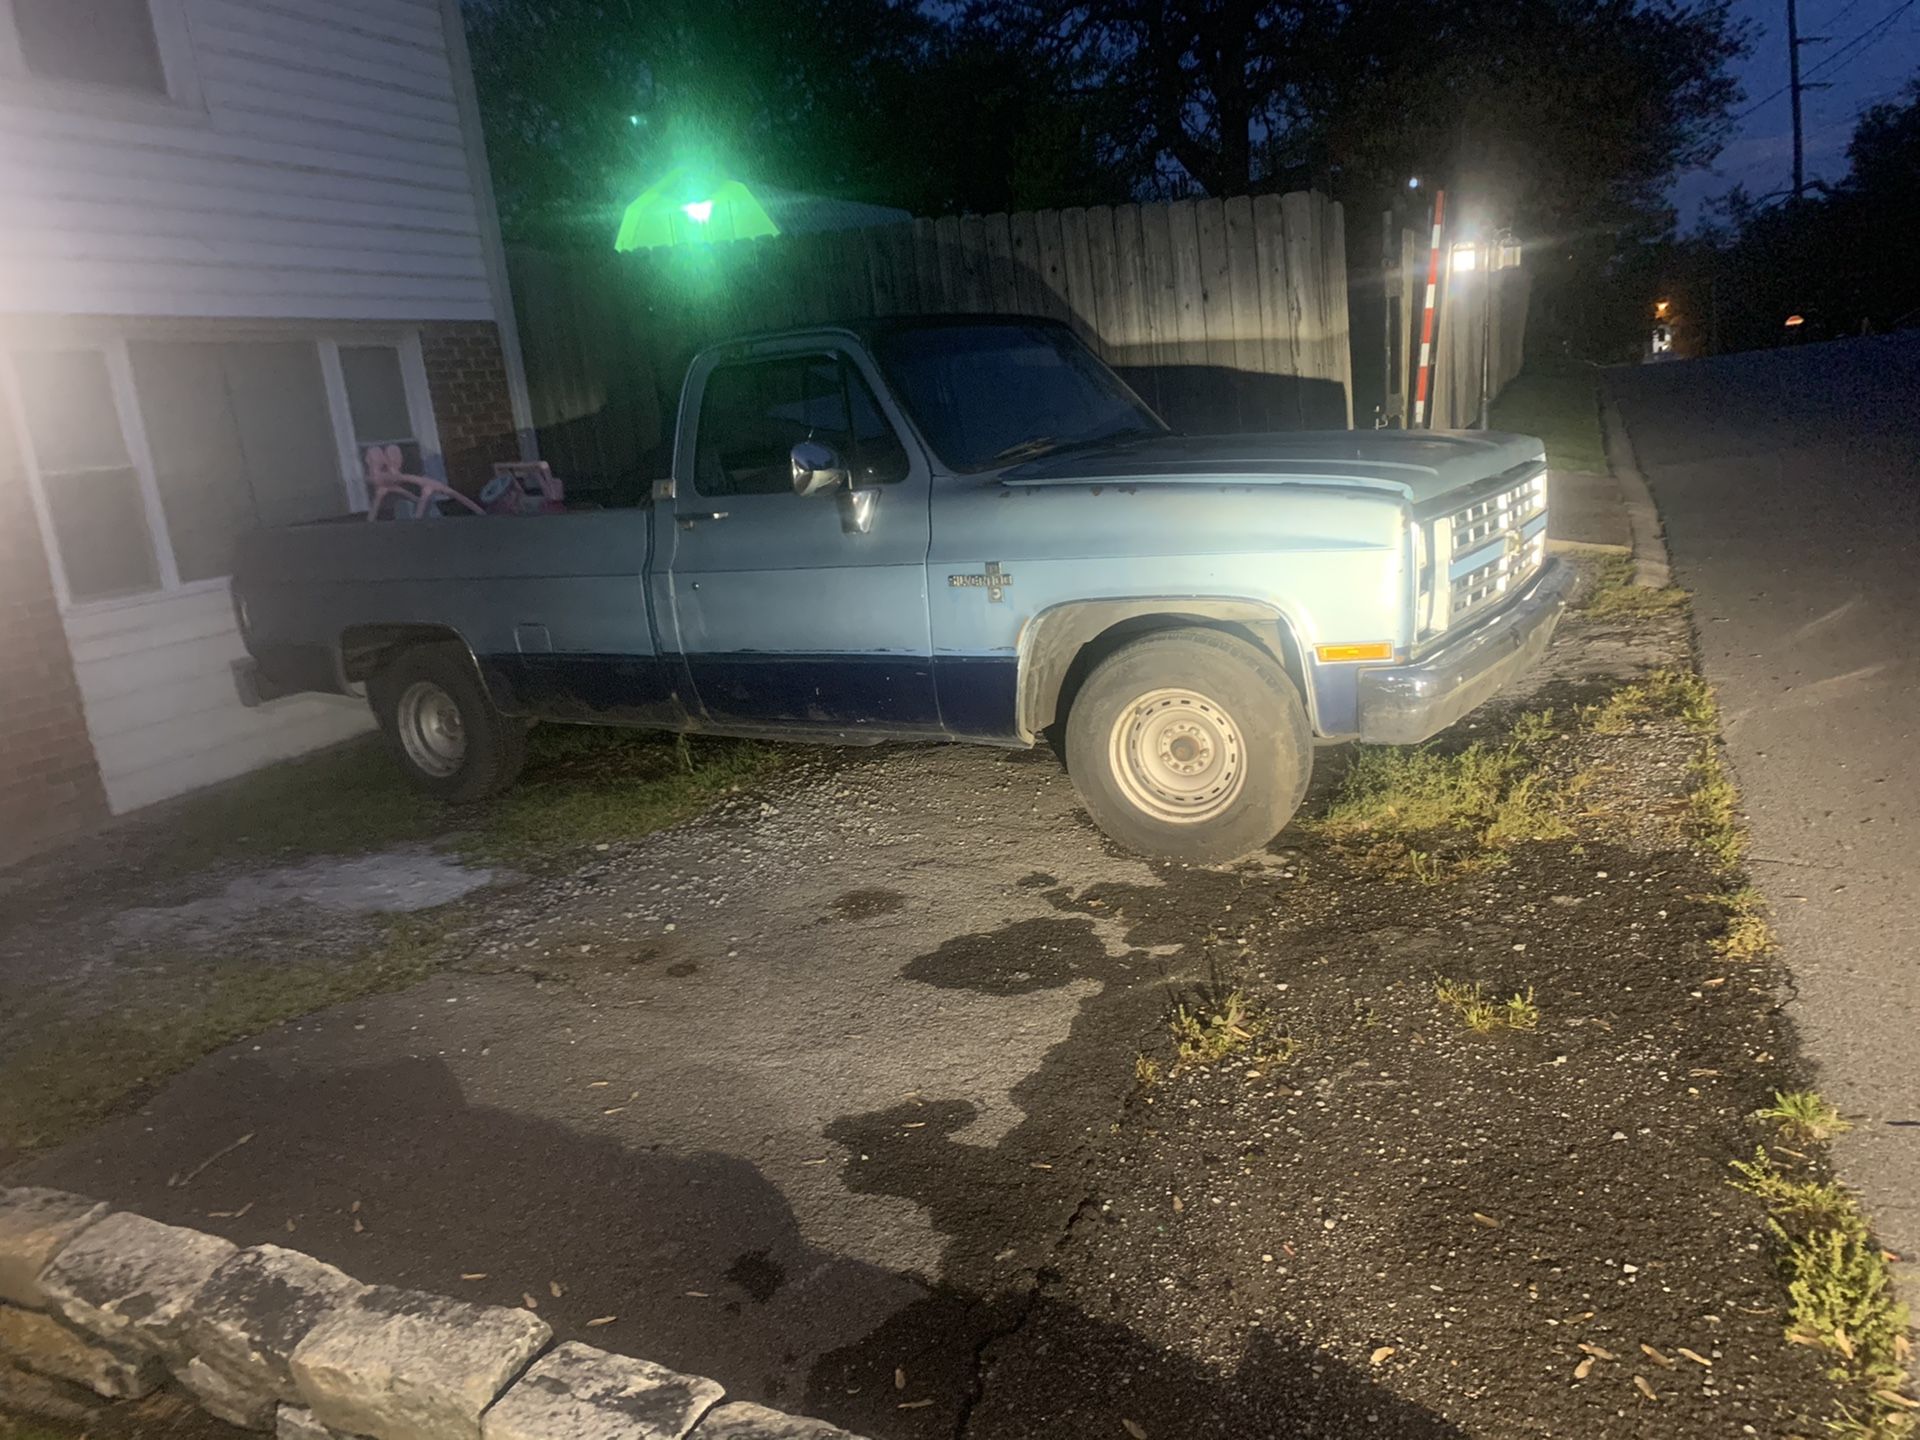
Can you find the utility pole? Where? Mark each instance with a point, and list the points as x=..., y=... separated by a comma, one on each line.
x=1793, y=86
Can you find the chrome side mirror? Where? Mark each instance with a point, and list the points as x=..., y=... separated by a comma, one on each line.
x=817, y=469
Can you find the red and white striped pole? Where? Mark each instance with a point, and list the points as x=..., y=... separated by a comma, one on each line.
x=1425, y=374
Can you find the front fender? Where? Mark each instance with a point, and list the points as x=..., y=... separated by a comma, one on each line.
x=1055, y=639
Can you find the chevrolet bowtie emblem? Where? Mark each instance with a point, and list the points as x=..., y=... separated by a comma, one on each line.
x=994, y=581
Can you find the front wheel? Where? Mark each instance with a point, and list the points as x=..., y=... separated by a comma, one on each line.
x=1190, y=745
x=441, y=725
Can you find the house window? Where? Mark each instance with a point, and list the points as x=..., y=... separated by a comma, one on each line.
x=377, y=402
x=241, y=437
x=95, y=42
x=152, y=456
x=92, y=488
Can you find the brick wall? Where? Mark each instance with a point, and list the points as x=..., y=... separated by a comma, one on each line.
x=49, y=785
x=467, y=377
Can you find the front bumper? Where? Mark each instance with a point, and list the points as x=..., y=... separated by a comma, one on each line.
x=1405, y=704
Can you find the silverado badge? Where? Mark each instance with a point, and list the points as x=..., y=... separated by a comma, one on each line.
x=994, y=582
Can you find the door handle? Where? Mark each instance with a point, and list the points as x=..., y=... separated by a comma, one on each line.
x=687, y=522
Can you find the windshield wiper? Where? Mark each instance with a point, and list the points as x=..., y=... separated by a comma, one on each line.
x=1052, y=445
x=1027, y=449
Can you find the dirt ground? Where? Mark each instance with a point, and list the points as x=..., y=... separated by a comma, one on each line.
x=860, y=1096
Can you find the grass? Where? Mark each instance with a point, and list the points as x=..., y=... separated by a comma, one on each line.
x=582, y=785
x=1216, y=1025
x=1839, y=1293
x=1748, y=936
x=1617, y=592
x=70, y=1073
x=1559, y=402
x=1680, y=694
x=1804, y=1115
x=1481, y=1013
x=1497, y=794
x=1713, y=809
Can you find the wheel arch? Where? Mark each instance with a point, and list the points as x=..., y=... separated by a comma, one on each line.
x=363, y=649
x=1060, y=646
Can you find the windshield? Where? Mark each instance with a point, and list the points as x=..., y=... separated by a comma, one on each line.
x=988, y=395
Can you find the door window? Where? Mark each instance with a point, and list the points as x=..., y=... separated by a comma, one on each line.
x=753, y=413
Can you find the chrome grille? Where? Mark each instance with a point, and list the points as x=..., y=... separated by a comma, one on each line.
x=1498, y=519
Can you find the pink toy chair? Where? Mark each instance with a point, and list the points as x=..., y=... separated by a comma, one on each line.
x=414, y=497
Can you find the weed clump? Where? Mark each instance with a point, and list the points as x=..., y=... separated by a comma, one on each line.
x=1616, y=593
x=1748, y=936
x=1804, y=1115
x=1495, y=794
x=1216, y=1027
x=1681, y=694
x=1481, y=1013
x=1712, y=809
x=1839, y=1290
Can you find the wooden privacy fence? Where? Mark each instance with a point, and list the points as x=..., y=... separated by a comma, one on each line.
x=1226, y=315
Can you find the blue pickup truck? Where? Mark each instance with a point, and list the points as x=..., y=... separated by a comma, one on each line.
x=948, y=529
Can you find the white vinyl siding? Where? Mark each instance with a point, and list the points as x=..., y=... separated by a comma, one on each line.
x=147, y=456
x=319, y=172
x=156, y=682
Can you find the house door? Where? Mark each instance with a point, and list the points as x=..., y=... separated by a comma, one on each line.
x=784, y=617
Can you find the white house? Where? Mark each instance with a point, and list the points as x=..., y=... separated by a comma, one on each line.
x=239, y=241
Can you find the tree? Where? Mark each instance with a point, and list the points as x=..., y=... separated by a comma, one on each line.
x=586, y=102
x=1560, y=113
x=1835, y=258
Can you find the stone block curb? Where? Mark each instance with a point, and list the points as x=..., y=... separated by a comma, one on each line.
x=275, y=1341
x=35, y=1225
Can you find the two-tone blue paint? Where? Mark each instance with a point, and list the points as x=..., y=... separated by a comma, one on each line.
x=762, y=613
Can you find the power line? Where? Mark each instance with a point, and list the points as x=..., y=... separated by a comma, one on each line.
x=1865, y=35
x=1870, y=33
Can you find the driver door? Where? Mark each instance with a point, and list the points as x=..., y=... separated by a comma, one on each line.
x=783, y=618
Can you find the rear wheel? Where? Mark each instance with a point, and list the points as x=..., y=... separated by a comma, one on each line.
x=441, y=725
x=1190, y=745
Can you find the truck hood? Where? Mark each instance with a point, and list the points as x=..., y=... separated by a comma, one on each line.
x=1418, y=465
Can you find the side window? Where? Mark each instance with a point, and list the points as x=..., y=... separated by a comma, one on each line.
x=753, y=414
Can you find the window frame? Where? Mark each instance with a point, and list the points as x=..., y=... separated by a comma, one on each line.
x=116, y=349
x=847, y=365
x=183, y=100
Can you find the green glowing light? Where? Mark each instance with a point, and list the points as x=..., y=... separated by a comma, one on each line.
x=689, y=207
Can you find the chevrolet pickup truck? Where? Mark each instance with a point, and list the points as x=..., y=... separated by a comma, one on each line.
x=948, y=529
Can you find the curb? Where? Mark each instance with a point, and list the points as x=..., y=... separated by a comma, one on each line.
x=1652, y=566
x=275, y=1341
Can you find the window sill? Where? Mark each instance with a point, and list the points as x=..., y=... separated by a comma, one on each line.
x=90, y=609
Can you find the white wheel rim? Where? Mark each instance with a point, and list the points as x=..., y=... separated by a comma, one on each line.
x=1177, y=756
x=431, y=730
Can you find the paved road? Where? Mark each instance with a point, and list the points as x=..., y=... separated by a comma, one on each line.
x=1790, y=487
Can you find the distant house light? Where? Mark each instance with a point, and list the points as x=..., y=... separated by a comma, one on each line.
x=1793, y=320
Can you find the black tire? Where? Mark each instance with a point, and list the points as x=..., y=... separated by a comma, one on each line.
x=1190, y=745
x=441, y=725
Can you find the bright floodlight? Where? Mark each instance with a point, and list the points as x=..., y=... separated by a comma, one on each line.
x=698, y=211
x=1465, y=257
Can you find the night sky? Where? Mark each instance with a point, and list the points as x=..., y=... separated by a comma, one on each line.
x=1760, y=155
